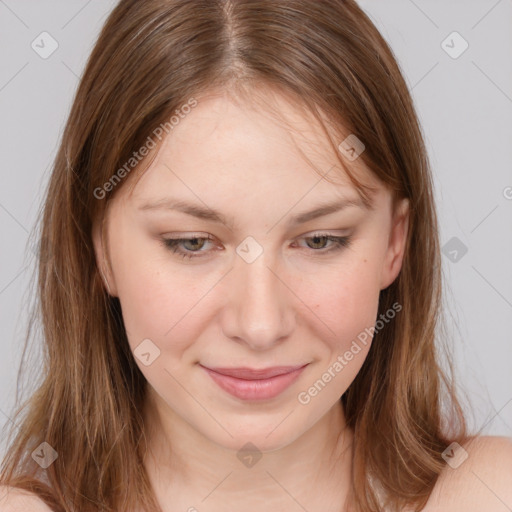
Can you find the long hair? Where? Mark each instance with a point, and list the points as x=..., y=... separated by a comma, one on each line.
x=151, y=59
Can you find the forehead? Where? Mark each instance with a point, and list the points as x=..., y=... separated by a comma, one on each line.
x=260, y=144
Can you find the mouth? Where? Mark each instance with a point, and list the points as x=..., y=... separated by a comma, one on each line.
x=255, y=384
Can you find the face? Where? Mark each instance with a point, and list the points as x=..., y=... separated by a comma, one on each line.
x=257, y=284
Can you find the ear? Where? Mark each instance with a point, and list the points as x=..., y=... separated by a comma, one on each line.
x=396, y=246
x=102, y=259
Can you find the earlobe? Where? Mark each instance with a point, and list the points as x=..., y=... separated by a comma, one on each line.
x=397, y=244
x=102, y=260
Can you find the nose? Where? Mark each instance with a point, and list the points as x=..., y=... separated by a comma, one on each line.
x=259, y=311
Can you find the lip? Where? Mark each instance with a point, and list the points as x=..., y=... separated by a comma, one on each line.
x=255, y=384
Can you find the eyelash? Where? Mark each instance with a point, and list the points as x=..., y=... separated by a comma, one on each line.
x=340, y=242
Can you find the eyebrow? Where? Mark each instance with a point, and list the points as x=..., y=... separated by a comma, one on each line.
x=209, y=214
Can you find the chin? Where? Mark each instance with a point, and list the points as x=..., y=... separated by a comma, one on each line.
x=264, y=437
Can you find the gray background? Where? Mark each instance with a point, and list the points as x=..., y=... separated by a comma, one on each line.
x=464, y=104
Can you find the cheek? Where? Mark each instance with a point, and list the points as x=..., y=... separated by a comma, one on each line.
x=344, y=301
x=345, y=306
x=156, y=301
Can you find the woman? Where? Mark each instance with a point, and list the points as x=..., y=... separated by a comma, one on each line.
x=240, y=278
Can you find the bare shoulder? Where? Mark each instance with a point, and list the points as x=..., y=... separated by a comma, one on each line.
x=18, y=500
x=478, y=477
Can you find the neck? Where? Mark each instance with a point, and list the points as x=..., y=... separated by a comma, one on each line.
x=198, y=474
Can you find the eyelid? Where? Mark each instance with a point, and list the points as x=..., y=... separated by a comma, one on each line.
x=188, y=235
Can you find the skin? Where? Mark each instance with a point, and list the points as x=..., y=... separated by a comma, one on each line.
x=294, y=304
x=482, y=482
x=277, y=310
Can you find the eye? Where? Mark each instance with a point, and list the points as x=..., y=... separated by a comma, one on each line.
x=192, y=247
x=195, y=245
x=320, y=239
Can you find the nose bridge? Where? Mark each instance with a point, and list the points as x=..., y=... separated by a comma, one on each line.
x=261, y=313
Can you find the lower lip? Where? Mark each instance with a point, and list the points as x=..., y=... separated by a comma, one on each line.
x=262, y=389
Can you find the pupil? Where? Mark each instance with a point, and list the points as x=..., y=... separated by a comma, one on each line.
x=194, y=242
x=316, y=239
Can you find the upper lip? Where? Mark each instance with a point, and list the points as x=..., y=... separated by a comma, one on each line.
x=255, y=374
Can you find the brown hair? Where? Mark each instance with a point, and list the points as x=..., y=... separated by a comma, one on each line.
x=151, y=58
